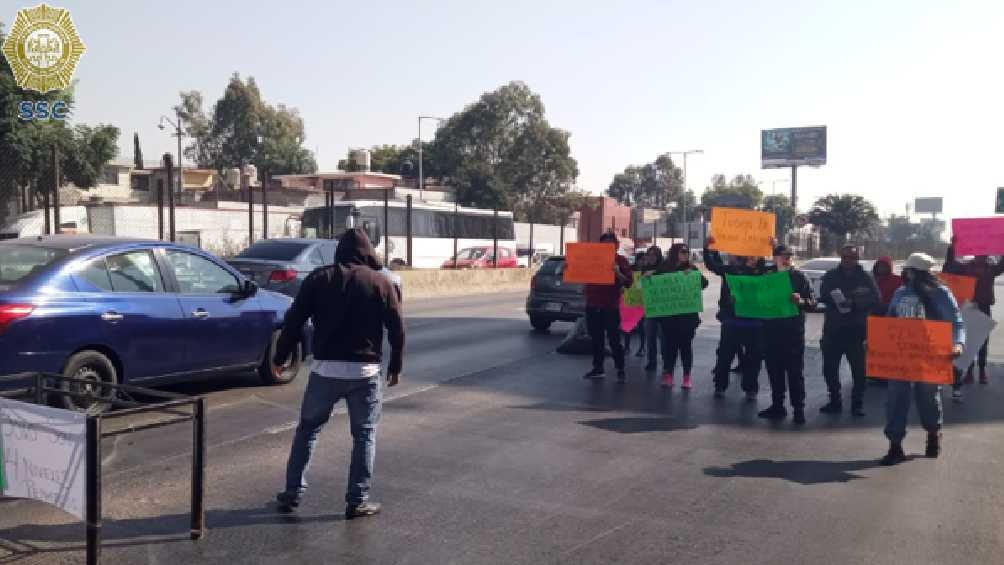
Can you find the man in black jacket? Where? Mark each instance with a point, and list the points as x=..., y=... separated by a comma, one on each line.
x=849, y=294
x=737, y=333
x=350, y=303
x=784, y=344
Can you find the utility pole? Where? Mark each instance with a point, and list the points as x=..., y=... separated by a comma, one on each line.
x=169, y=167
x=55, y=188
x=264, y=204
x=794, y=187
x=686, y=227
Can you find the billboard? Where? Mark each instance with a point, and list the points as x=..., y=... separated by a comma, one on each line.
x=928, y=205
x=788, y=147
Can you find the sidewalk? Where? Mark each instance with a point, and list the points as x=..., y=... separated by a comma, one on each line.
x=528, y=463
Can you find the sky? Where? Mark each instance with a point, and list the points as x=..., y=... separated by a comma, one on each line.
x=910, y=91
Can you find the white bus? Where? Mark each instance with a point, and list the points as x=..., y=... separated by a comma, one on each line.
x=433, y=226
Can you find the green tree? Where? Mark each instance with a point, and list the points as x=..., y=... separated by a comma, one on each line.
x=241, y=128
x=137, y=153
x=842, y=215
x=780, y=206
x=740, y=192
x=501, y=151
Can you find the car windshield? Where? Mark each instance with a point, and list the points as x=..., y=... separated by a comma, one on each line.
x=19, y=261
x=471, y=253
x=552, y=267
x=274, y=250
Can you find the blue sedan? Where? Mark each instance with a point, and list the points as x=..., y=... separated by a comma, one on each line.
x=139, y=312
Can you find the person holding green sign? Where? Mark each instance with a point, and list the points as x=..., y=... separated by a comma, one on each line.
x=678, y=330
x=784, y=343
x=737, y=333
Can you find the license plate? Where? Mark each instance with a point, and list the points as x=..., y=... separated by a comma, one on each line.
x=554, y=306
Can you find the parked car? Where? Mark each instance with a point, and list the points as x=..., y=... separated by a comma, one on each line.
x=551, y=299
x=111, y=310
x=281, y=265
x=814, y=270
x=481, y=258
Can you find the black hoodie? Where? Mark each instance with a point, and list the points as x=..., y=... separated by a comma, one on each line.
x=350, y=303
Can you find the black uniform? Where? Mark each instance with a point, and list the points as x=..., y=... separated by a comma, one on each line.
x=784, y=347
x=736, y=332
x=844, y=333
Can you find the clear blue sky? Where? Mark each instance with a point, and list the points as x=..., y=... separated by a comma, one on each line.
x=911, y=90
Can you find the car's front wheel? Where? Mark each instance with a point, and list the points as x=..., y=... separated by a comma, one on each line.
x=289, y=371
x=540, y=324
x=94, y=369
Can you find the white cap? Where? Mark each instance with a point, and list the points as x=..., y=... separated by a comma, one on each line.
x=919, y=261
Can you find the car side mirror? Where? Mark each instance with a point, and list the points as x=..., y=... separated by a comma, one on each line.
x=249, y=289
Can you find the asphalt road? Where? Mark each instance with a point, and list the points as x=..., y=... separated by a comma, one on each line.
x=494, y=450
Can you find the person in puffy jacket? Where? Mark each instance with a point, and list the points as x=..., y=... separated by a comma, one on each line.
x=887, y=281
x=923, y=297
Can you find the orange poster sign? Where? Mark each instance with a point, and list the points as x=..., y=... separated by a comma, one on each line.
x=963, y=287
x=742, y=232
x=589, y=263
x=910, y=349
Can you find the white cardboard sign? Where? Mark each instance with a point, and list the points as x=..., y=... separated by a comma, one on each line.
x=44, y=454
x=978, y=328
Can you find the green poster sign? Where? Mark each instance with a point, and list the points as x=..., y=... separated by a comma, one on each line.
x=632, y=295
x=672, y=294
x=762, y=296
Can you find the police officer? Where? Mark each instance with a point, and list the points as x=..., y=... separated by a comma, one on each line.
x=849, y=294
x=784, y=344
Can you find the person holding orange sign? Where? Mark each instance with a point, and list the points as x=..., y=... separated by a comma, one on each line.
x=924, y=297
x=985, y=273
x=603, y=318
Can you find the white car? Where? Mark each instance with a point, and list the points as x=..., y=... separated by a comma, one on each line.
x=814, y=270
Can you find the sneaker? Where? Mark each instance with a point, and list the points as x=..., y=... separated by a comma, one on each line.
x=832, y=407
x=719, y=392
x=775, y=412
x=621, y=376
x=687, y=385
x=933, y=445
x=287, y=502
x=969, y=377
x=858, y=410
x=895, y=455
x=956, y=395
x=667, y=380
x=799, y=417
x=595, y=374
x=751, y=396
x=362, y=510
x=984, y=379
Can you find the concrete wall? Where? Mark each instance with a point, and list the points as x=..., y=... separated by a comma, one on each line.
x=433, y=283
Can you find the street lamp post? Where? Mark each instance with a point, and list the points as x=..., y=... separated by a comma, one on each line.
x=421, y=182
x=177, y=132
x=686, y=227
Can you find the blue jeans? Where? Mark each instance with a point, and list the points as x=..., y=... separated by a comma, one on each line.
x=363, y=398
x=928, y=398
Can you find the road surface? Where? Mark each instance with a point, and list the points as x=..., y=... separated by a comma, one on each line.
x=494, y=450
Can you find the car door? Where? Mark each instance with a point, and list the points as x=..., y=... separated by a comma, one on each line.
x=135, y=316
x=225, y=328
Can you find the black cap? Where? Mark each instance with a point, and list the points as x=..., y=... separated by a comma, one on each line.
x=782, y=249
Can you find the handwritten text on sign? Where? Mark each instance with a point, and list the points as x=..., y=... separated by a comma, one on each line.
x=962, y=287
x=742, y=232
x=762, y=296
x=672, y=294
x=978, y=236
x=590, y=263
x=909, y=349
x=44, y=454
